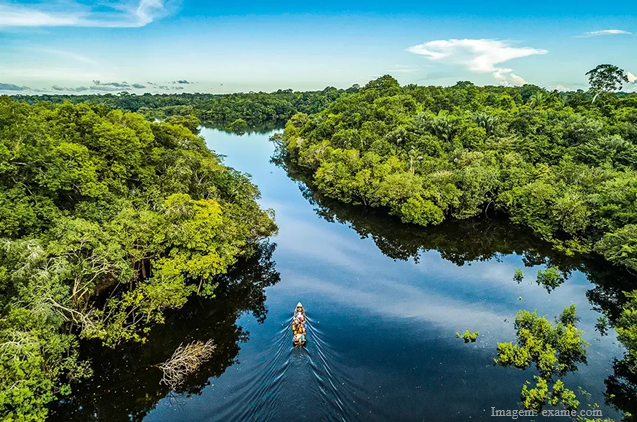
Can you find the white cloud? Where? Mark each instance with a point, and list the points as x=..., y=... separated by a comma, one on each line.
x=479, y=56
x=148, y=9
x=607, y=32
x=631, y=78
x=561, y=88
x=517, y=80
x=507, y=77
x=25, y=16
x=122, y=15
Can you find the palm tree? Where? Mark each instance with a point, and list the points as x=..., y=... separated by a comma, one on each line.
x=422, y=122
x=486, y=121
x=538, y=99
x=443, y=126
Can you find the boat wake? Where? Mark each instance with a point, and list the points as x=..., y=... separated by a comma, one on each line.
x=299, y=383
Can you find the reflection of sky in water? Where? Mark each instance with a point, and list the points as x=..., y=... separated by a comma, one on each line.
x=388, y=326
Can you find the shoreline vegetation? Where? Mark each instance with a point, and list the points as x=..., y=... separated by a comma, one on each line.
x=107, y=221
x=562, y=164
x=127, y=381
x=237, y=113
x=463, y=241
x=113, y=211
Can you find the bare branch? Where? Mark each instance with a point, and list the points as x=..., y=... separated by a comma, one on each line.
x=185, y=361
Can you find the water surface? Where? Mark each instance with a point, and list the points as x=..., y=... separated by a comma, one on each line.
x=384, y=301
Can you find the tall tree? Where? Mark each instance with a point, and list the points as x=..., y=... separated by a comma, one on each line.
x=606, y=78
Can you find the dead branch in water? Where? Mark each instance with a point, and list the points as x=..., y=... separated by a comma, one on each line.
x=185, y=361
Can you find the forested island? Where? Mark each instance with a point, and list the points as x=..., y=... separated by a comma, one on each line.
x=113, y=211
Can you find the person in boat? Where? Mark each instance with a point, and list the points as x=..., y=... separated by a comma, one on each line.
x=298, y=324
x=299, y=336
x=299, y=314
x=298, y=330
x=299, y=311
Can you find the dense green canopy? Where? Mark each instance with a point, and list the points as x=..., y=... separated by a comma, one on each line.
x=559, y=163
x=254, y=108
x=106, y=221
x=481, y=239
x=554, y=162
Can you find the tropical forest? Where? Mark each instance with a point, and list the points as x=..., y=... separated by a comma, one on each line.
x=280, y=212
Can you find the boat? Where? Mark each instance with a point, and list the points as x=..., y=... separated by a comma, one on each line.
x=298, y=326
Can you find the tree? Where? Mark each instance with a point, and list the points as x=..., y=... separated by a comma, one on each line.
x=384, y=83
x=551, y=278
x=606, y=78
x=185, y=361
x=537, y=99
x=189, y=121
x=554, y=349
x=106, y=221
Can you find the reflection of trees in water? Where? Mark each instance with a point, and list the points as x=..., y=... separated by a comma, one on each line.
x=260, y=128
x=126, y=385
x=483, y=239
x=621, y=388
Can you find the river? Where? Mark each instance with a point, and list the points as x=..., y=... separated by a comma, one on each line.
x=384, y=301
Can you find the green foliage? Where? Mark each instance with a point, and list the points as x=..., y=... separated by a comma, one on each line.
x=602, y=325
x=468, y=336
x=537, y=397
x=606, y=78
x=553, y=349
x=554, y=162
x=417, y=210
x=620, y=246
x=38, y=359
x=626, y=328
x=551, y=278
x=223, y=111
x=239, y=126
x=108, y=220
x=518, y=276
x=188, y=121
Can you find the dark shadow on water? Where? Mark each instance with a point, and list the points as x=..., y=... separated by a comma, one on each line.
x=463, y=242
x=126, y=382
x=125, y=386
x=261, y=128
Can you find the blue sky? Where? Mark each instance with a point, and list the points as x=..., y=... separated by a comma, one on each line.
x=152, y=45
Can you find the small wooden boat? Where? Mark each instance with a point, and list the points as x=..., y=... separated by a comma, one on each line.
x=298, y=326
